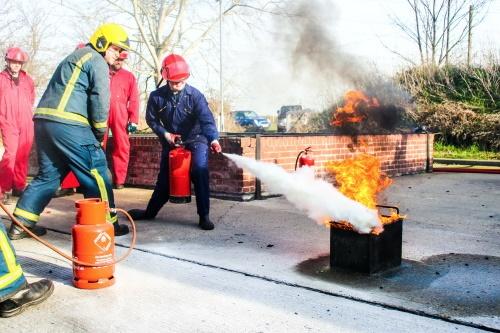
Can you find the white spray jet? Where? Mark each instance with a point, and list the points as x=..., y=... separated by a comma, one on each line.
x=320, y=199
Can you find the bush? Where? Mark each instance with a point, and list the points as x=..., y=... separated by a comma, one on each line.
x=460, y=102
x=460, y=126
x=473, y=88
x=318, y=122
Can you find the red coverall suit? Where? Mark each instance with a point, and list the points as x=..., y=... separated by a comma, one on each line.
x=124, y=109
x=16, y=124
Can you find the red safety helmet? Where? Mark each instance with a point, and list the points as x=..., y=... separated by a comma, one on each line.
x=16, y=54
x=123, y=55
x=174, y=68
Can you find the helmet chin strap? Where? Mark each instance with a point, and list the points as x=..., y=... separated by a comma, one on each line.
x=13, y=74
x=159, y=83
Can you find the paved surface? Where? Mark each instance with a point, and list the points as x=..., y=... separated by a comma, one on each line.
x=265, y=269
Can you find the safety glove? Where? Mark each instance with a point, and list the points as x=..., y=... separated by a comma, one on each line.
x=131, y=127
x=215, y=147
x=171, y=138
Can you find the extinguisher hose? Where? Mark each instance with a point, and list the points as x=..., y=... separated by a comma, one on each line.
x=297, y=159
x=67, y=256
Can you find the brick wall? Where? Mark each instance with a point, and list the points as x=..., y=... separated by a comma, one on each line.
x=400, y=154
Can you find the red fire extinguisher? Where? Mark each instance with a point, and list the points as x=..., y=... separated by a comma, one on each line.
x=179, y=164
x=303, y=158
x=94, y=243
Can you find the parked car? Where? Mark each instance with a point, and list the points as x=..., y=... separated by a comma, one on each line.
x=291, y=118
x=250, y=119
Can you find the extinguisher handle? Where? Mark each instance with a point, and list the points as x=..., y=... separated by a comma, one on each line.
x=178, y=141
x=297, y=159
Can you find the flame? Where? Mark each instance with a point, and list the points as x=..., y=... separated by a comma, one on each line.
x=355, y=103
x=360, y=178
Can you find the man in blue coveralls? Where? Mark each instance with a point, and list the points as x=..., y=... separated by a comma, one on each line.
x=178, y=109
x=70, y=123
x=15, y=293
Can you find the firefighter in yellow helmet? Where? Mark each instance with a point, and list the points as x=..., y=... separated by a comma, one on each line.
x=70, y=123
x=110, y=34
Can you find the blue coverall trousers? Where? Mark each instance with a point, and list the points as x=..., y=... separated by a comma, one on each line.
x=11, y=274
x=199, y=177
x=62, y=148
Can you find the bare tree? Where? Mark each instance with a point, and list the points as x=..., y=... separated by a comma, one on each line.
x=162, y=26
x=36, y=32
x=159, y=27
x=439, y=26
x=7, y=22
x=25, y=27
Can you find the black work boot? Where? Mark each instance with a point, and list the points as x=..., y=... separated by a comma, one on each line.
x=15, y=232
x=36, y=293
x=6, y=198
x=120, y=229
x=205, y=223
x=140, y=214
x=62, y=192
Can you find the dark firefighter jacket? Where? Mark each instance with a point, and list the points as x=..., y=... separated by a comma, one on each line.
x=186, y=113
x=78, y=92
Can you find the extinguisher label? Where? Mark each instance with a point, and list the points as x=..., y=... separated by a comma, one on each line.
x=103, y=241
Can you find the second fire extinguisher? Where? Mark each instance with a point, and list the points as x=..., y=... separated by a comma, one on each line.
x=304, y=159
x=179, y=165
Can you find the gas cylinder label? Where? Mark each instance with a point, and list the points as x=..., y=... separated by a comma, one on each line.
x=103, y=241
x=105, y=259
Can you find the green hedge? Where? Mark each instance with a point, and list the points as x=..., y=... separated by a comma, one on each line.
x=461, y=127
x=474, y=88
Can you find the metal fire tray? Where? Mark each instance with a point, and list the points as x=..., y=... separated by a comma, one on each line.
x=367, y=253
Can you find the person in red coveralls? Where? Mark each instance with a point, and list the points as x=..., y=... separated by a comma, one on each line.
x=17, y=96
x=123, y=117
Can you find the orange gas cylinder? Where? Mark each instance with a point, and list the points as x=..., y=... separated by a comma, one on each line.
x=93, y=243
x=180, y=180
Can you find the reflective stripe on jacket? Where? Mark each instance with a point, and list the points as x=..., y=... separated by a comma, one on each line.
x=78, y=92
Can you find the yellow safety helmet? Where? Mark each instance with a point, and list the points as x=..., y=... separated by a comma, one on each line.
x=107, y=34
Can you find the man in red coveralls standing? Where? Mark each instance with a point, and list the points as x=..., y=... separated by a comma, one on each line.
x=123, y=117
x=17, y=96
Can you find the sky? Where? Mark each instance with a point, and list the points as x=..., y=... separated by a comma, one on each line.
x=262, y=71
x=360, y=29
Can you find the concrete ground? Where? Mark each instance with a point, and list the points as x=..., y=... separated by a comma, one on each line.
x=265, y=268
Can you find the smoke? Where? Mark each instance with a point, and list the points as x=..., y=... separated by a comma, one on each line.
x=382, y=119
x=318, y=198
x=314, y=47
x=317, y=48
x=318, y=56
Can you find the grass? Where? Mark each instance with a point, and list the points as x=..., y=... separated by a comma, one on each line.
x=473, y=152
